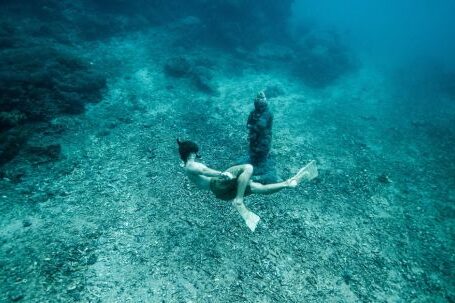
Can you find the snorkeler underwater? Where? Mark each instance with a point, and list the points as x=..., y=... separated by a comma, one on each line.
x=314, y=159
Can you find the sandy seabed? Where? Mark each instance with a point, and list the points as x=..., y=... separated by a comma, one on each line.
x=115, y=220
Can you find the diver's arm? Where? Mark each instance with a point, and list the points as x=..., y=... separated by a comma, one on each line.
x=201, y=169
x=208, y=172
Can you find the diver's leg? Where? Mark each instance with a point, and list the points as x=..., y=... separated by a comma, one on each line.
x=243, y=180
x=308, y=172
x=266, y=189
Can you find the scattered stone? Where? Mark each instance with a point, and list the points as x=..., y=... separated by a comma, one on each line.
x=76, y=295
x=384, y=179
x=178, y=67
x=55, y=129
x=202, y=79
x=10, y=145
x=200, y=75
x=11, y=119
x=92, y=259
x=103, y=133
x=26, y=223
x=347, y=277
x=273, y=91
x=311, y=280
x=39, y=197
x=43, y=154
x=362, y=145
x=16, y=297
x=111, y=125
x=125, y=120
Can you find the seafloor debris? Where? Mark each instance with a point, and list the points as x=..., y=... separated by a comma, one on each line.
x=42, y=154
x=178, y=67
x=383, y=178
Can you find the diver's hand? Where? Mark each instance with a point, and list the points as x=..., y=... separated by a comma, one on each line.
x=227, y=175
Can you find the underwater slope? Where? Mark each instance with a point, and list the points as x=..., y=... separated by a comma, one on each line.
x=112, y=218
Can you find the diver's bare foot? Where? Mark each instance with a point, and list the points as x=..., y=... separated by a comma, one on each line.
x=308, y=172
x=252, y=220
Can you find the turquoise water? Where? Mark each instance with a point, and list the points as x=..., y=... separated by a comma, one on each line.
x=94, y=203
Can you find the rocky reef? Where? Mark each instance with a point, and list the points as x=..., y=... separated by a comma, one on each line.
x=199, y=74
x=42, y=74
x=38, y=83
x=321, y=59
x=227, y=24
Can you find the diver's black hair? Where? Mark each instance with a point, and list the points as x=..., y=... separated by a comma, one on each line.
x=186, y=148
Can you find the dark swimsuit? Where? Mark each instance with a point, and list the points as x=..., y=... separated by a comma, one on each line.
x=226, y=189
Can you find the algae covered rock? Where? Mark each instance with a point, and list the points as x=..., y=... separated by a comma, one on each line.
x=39, y=83
x=202, y=79
x=11, y=143
x=42, y=154
x=322, y=59
x=198, y=74
x=10, y=119
x=177, y=67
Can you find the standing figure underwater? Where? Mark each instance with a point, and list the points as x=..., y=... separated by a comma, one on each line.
x=259, y=124
x=235, y=183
